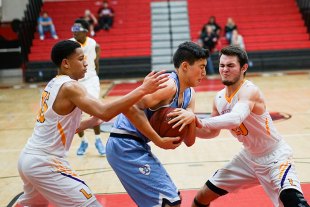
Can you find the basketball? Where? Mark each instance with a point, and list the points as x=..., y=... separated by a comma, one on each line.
x=159, y=122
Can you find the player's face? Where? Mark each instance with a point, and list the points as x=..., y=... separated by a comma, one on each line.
x=77, y=64
x=230, y=70
x=197, y=72
x=80, y=36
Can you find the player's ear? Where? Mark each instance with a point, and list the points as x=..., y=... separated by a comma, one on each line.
x=65, y=63
x=244, y=68
x=184, y=65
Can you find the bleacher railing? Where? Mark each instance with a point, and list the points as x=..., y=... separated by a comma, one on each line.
x=28, y=26
x=304, y=7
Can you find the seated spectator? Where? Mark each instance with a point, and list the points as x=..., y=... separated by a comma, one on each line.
x=91, y=20
x=105, y=16
x=208, y=40
x=237, y=39
x=45, y=24
x=214, y=25
x=229, y=27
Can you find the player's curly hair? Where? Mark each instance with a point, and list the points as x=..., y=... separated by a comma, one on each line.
x=189, y=52
x=63, y=49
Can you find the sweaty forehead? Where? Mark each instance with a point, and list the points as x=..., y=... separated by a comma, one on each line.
x=225, y=59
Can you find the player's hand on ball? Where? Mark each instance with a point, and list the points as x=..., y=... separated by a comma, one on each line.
x=181, y=117
x=169, y=142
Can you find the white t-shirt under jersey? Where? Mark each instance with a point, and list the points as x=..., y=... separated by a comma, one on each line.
x=53, y=133
x=257, y=132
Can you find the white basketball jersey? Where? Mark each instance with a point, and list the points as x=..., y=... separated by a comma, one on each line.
x=89, y=49
x=53, y=133
x=257, y=132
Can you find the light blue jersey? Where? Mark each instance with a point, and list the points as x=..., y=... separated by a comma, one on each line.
x=141, y=173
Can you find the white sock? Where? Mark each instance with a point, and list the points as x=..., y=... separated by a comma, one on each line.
x=84, y=139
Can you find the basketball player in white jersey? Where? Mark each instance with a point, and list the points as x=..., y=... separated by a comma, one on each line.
x=266, y=158
x=91, y=80
x=47, y=175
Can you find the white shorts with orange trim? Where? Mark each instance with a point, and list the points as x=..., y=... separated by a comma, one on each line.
x=274, y=171
x=51, y=179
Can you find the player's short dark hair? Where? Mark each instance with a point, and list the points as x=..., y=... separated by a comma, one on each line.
x=83, y=23
x=233, y=50
x=63, y=49
x=189, y=52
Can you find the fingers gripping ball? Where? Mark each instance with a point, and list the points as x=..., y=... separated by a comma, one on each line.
x=159, y=122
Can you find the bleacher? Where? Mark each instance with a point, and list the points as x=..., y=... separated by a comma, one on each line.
x=126, y=48
x=264, y=24
x=274, y=32
x=130, y=35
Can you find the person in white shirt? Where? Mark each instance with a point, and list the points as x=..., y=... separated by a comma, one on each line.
x=237, y=39
x=91, y=81
x=266, y=158
x=42, y=165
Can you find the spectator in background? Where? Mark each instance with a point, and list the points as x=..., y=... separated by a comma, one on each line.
x=215, y=27
x=208, y=39
x=229, y=28
x=45, y=24
x=92, y=21
x=90, y=81
x=237, y=39
x=105, y=16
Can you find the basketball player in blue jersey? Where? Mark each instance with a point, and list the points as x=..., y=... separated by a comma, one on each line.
x=91, y=80
x=128, y=152
x=266, y=158
x=47, y=175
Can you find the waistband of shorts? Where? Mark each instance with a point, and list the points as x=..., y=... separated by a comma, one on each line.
x=126, y=136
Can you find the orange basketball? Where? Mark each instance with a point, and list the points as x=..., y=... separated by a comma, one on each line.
x=159, y=122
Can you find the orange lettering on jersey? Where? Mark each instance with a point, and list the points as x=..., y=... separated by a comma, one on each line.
x=45, y=96
x=241, y=130
x=267, y=126
x=87, y=195
x=62, y=134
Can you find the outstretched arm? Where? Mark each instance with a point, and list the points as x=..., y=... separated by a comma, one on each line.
x=204, y=132
x=241, y=110
x=106, y=111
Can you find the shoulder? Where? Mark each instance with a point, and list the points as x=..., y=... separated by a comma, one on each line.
x=72, y=87
x=220, y=94
x=91, y=40
x=250, y=90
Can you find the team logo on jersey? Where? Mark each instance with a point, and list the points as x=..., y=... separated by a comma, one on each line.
x=145, y=170
x=279, y=116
